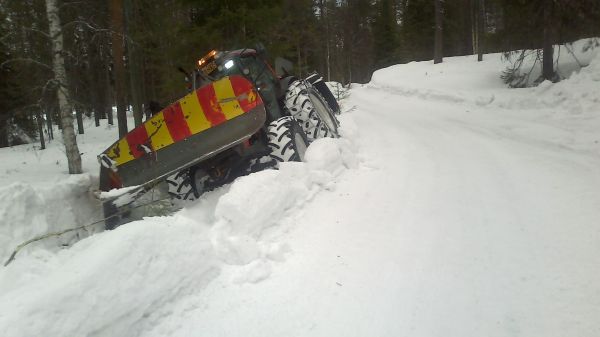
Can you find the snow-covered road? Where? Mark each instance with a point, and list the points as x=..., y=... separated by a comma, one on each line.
x=434, y=216
x=448, y=228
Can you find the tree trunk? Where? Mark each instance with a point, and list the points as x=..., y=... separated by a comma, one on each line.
x=58, y=116
x=49, y=124
x=92, y=76
x=299, y=59
x=40, y=125
x=438, y=48
x=95, y=88
x=134, y=65
x=96, y=117
x=106, y=97
x=474, y=26
x=3, y=131
x=60, y=78
x=116, y=10
x=324, y=20
x=79, y=116
x=480, y=28
x=548, y=62
x=327, y=37
x=467, y=26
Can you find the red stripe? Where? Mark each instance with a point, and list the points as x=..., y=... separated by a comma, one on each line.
x=208, y=101
x=242, y=86
x=176, y=123
x=136, y=138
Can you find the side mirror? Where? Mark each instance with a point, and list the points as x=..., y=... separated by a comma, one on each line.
x=283, y=67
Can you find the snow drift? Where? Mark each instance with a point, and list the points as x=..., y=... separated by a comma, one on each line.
x=28, y=212
x=119, y=282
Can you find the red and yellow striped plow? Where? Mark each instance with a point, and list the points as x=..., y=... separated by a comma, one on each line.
x=207, y=107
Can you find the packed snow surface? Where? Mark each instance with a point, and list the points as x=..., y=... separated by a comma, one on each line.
x=451, y=206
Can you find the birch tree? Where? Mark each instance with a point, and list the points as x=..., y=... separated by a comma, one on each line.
x=60, y=79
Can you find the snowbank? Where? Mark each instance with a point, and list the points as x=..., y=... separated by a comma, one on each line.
x=338, y=90
x=464, y=80
x=27, y=212
x=119, y=282
x=38, y=196
x=246, y=215
x=567, y=110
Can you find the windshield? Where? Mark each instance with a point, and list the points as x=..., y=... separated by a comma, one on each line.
x=255, y=70
x=248, y=66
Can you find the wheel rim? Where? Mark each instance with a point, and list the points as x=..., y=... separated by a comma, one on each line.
x=323, y=111
x=301, y=146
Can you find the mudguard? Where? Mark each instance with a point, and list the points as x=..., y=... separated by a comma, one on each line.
x=317, y=82
x=205, y=122
x=285, y=84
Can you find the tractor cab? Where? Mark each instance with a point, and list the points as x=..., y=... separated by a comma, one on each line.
x=248, y=63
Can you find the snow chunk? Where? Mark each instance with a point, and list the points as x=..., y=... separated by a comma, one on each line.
x=331, y=155
x=117, y=192
x=255, y=204
x=21, y=214
x=254, y=272
x=255, y=200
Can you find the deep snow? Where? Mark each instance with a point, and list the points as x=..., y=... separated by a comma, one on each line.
x=452, y=206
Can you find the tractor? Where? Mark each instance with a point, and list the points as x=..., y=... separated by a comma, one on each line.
x=239, y=116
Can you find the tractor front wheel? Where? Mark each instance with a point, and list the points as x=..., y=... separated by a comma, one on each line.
x=287, y=140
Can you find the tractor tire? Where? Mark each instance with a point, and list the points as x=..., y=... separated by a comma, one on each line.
x=188, y=184
x=287, y=140
x=311, y=110
x=180, y=186
x=114, y=216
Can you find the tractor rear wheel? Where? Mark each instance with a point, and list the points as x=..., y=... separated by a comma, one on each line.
x=311, y=110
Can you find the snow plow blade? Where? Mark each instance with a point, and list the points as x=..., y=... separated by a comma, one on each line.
x=205, y=122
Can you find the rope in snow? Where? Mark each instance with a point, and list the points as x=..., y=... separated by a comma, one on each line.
x=49, y=235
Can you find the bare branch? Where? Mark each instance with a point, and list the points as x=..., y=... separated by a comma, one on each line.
x=43, y=65
x=71, y=3
x=86, y=24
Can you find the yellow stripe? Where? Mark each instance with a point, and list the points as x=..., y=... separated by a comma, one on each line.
x=193, y=113
x=120, y=152
x=227, y=100
x=158, y=132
